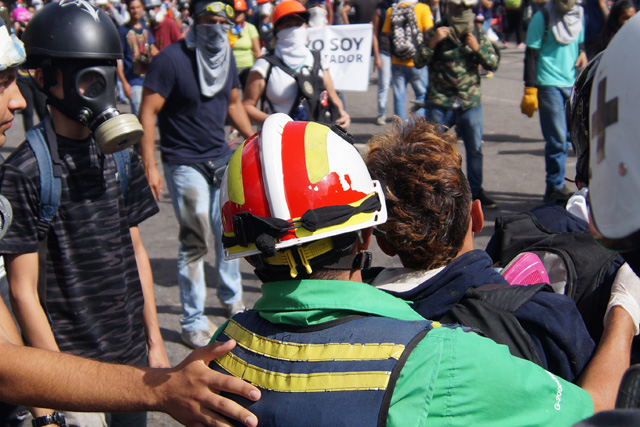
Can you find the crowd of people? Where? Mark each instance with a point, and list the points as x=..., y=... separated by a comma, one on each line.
x=449, y=338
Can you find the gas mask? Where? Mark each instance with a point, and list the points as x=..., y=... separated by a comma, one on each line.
x=89, y=89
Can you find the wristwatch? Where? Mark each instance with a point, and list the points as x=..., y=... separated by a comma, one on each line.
x=56, y=419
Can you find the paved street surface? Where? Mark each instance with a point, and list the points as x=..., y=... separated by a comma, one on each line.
x=513, y=176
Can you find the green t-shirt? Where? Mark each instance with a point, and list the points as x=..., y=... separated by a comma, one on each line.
x=242, y=47
x=556, y=62
x=452, y=377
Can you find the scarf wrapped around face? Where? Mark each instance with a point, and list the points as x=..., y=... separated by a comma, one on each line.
x=565, y=20
x=461, y=20
x=213, y=56
x=291, y=46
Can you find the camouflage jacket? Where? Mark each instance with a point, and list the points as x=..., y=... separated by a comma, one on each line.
x=453, y=69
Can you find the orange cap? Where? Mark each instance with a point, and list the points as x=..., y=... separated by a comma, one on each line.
x=263, y=1
x=240, y=5
x=286, y=8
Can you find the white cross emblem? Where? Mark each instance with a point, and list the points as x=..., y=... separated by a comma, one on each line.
x=82, y=4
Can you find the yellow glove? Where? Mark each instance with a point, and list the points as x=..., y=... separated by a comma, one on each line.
x=529, y=104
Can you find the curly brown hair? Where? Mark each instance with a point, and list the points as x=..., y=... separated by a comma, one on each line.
x=427, y=194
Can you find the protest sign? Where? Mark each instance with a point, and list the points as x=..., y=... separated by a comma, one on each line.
x=347, y=51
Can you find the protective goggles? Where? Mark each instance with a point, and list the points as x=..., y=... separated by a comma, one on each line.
x=217, y=7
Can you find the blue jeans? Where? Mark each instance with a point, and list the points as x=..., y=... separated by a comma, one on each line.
x=469, y=127
x=136, y=98
x=401, y=75
x=197, y=207
x=384, y=81
x=553, y=123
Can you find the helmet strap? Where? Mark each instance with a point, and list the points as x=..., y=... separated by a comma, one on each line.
x=358, y=261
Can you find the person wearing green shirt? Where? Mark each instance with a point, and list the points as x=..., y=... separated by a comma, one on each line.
x=299, y=204
x=244, y=40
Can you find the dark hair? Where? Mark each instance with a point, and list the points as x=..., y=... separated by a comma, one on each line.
x=611, y=25
x=427, y=194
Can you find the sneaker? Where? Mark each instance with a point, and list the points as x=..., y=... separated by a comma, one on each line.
x=381, y=121
x=486, y=202
x=525, y=269
x=234, y=308
x=521, y=45
x=558, y=195
x=196, y=339
x=488, y=75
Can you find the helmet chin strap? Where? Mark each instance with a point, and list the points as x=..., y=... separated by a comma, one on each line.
x=50, y=80
x=358, y=261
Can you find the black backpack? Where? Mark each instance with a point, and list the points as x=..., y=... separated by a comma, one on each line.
x=312, y=101
x=577, y=266
x=489, y=309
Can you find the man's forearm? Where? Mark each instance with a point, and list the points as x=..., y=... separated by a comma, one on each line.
x=189, y=392
x=148, y=141
x=70, y=382
x=240, y=119
x=22, y=274
x=157, y=354
x=602, y=376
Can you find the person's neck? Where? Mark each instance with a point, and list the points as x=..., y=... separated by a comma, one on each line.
x=68, y=128
x=467, y=243
x=340, y=275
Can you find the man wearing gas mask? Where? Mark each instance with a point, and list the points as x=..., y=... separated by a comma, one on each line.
x=189, y=88
x=164, y=28
x=80, y=279
x=555, y=54
x=453, y=50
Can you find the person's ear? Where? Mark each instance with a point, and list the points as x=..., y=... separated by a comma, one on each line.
x=38, y=76
x=477, y=216
x=385, y=246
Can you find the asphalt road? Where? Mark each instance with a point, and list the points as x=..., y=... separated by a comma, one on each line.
x=513, y=175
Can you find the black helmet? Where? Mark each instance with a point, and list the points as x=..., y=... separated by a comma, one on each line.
x=577, y=112
x=71, y=29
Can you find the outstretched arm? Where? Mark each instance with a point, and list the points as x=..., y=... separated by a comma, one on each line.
x=602, y=376
x=188, y=392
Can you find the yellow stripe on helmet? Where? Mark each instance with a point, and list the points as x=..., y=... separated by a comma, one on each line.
x=315, y=151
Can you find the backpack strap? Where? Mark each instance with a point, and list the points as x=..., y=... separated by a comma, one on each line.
x=545, y=15
x=123, y=168
x=395, y=375
x=489, y=309
x=509, y=298
x=273, y=60
x=42, y=141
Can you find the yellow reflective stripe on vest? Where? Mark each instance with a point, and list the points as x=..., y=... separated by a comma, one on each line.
x=301, y=383
x=282, y=350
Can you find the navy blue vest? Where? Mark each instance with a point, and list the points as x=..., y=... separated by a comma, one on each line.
x=339, y=373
